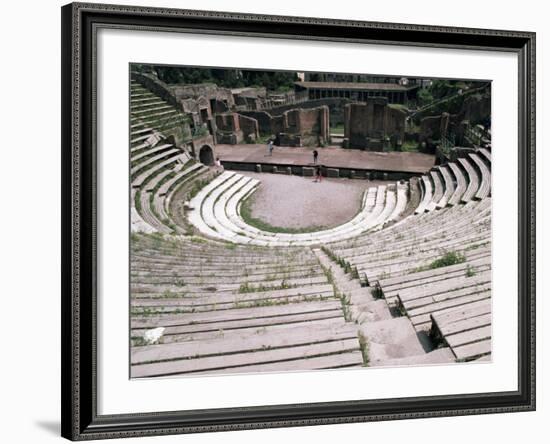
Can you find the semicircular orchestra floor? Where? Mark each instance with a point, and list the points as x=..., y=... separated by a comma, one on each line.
x=300, y=203
x=279, y=210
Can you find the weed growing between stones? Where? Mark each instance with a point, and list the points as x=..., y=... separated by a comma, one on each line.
x=364, y=346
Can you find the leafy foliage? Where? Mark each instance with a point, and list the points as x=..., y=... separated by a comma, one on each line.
x=228, y=78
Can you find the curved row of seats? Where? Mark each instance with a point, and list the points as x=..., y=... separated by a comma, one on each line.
x=158, y=169
x=151, y=111
x=215, y=213
x=469, y=178
x=439, y=262
x=227, y=308
x=437, y=272
x=214, y=306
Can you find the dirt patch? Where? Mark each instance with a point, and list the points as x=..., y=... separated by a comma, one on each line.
x=299, y=202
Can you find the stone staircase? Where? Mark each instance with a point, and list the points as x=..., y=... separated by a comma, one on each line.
x=150, y=112
x=385, y=339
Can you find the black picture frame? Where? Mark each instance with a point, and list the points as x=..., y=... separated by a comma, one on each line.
x=80, y=420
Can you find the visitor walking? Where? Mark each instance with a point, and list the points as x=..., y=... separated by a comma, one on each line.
x=318, y=175
x=270, y=147
x=315, y=156
x=218, y=164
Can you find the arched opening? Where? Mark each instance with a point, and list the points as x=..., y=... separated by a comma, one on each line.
x=206, y=155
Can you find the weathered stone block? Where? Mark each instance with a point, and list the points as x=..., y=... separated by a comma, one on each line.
x=308, y=171
x=333, y=172
x=258, y=168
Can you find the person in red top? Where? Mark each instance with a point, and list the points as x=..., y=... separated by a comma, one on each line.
x=318, y=175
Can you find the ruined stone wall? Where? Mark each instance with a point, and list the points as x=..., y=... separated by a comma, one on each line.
x=335, y=104
x=196, y=144
x=373, y=125
x=434, y=127
x=233, y=128
x=250, y=98
x=208, y=90
x=249, y=127
x=308, y=127
x=262, y=117
x=228, y=129
x=295, y=127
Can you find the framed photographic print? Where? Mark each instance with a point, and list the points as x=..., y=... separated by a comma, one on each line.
x=280, y=221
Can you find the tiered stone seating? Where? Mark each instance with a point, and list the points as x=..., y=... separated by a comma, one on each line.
x=466, y=330
x=448, y=186
x=460, y=184
x=226, y=308
x=412, y=281
x=473, y=179
x=151, y=111
x=486, y=154
x=485, y=185
x=158, y=169
x=241, y=299
x=468, y=178
x=148, y=169
x=427, y=194
x=215, y=213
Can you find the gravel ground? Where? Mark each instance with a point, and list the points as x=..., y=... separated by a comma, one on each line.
x=299, y=202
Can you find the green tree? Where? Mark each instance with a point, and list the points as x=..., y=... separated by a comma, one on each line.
x=424, y=97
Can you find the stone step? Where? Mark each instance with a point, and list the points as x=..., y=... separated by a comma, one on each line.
x=461, y=184
x=157, y=149
x=249, y=342
x=151, y=160
x=268, y=278
x=413, y=279
x=473, y=351
x=427, y=193
x=416, y=296
x=165, y=187
x=421, y=318
x=473, y=179
x=190, y=330
x=467, y=330
x=224, y=298
x=390, y=339
x=140, y=131
x=485, y=154
x=222, y=362
x=438, y=191
x=229, y=285
x=266, y=329
x=143, y=177
x=371, y=311
x=448, y=186
x=485, y=185
x=146, y=104
x=154, y=110
x=340, y=360
x=438, y=356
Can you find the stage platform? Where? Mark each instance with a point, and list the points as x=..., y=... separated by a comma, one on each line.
x=351, y=162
